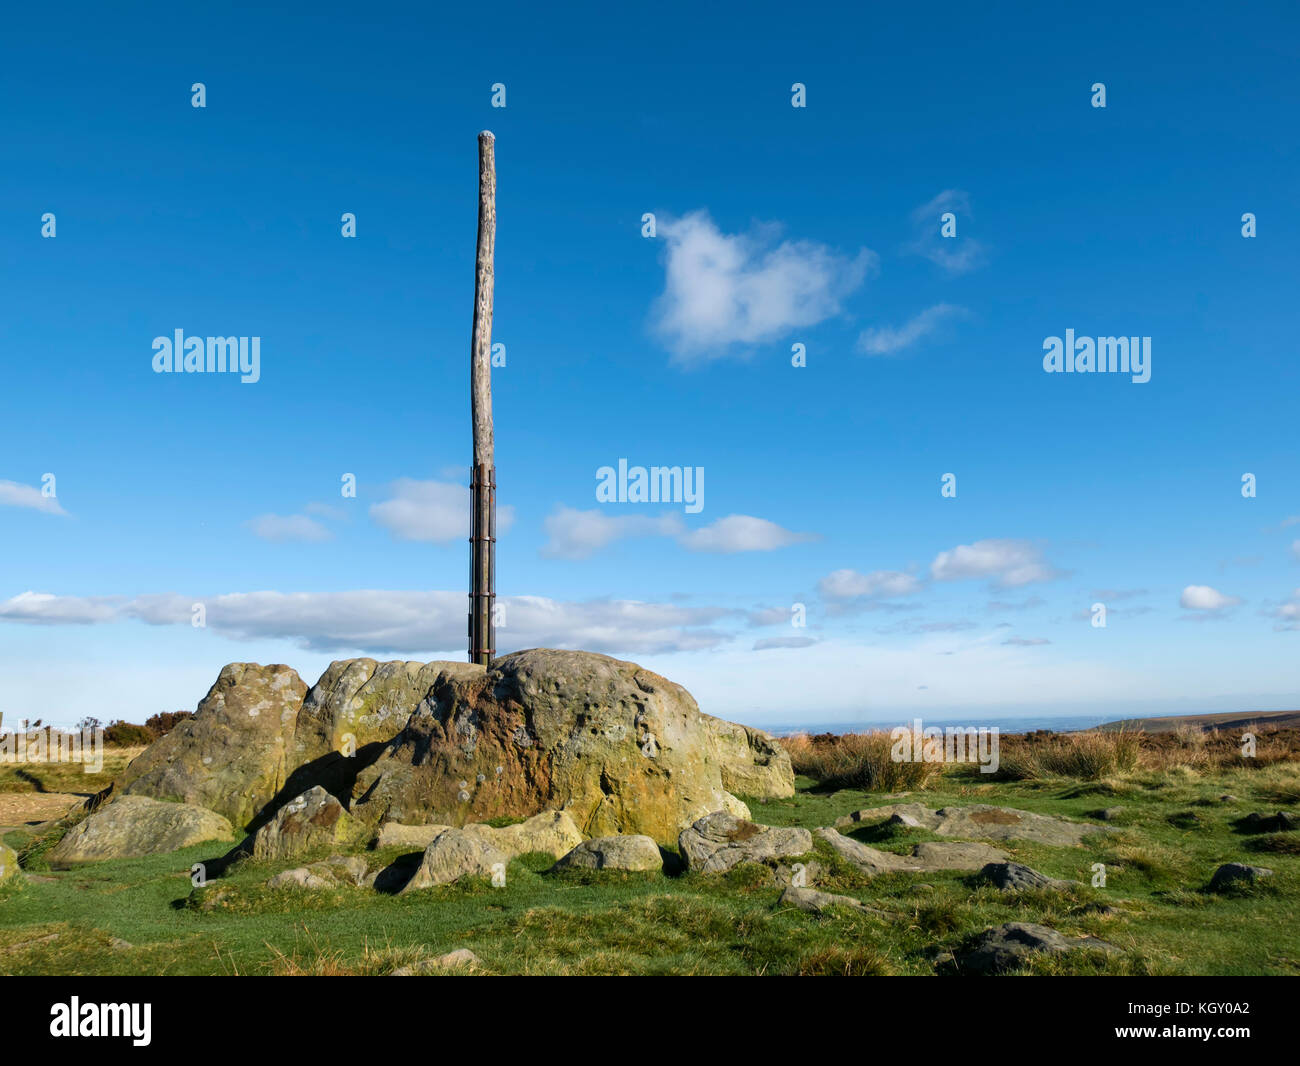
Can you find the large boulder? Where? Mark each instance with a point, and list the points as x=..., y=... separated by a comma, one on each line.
x=551, y=833
x=314, y=821
x=619, y=748
x=719, y=841
x=232, y=757
x=751, y=762
x=455, y=854
x=634, y=852
x=132, y=826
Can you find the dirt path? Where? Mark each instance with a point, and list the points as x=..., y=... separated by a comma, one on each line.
x=30, y=808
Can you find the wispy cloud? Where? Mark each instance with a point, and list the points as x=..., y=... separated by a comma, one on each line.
x=574, y=534
x=1026, y=642
x=770, y=643
x=432, y=511
x=890, y=340
x=13, y=494
x=1008, y=563
x=851, y=585
x=724, y=289
x=402, y=622
x=955, y=255
x=286, y=528
x=1207, y=599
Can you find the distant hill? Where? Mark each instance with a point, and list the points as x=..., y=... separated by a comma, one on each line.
x=1228, y=720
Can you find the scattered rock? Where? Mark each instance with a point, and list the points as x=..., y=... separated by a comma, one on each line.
x=461, y=958
x=336, y=871
x=232, y=756
x=132, y=826
x=1228, y=798
x=814, y=902
x=1008, y=946
x=1012, y=877
x=313, y=821
x=551, y=832
x=905, y=820
x=719, y=841
x=8, y=863
x=925, y=857
x=618, y=747
x=981, y=822
x=785, y=875
x=1237, y=875
x=1111, y=813
x=454, y=854
x=613, y=853
x=1281, y=822
x=955, y=855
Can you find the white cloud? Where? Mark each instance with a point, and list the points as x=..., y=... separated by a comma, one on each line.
x=1288, y=614
x=850, y=584
x=577, y=534
x=12, y=494
x=889, y=340
x=722, y=289
x=1205, y=598
x=741, y=533
x=1010, y=563
x=955, y=255
x=293, y=527
x=769, y=643
x=431, y=511
x=383, y=621
x=1026, y=642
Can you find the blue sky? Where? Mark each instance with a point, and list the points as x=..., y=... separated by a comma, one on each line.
x=775, y=226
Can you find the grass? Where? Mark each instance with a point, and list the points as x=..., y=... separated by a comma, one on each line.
x=144, y=916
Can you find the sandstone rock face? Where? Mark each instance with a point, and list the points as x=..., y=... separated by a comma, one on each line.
x=360, y=702
x=455, y=854
x=981, y=822
x=1008, y=946
x=8, y=863
x=551, y=832
x=752, y=763
x=131, y=826
x=311, y=822
x=619, y=748
x=634, y=852
x=233, y=756
x=719, y=841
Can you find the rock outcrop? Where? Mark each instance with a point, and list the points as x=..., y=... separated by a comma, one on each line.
x=719, y=841
x=132, y=826
x=232, y=757
x=925, y=858
x=980, y=822
x=1237, y=875
x=619, y=748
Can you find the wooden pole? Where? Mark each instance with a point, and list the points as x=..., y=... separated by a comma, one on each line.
x=482, y=594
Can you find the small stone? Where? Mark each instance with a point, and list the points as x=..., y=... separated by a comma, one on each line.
x=1234, y=874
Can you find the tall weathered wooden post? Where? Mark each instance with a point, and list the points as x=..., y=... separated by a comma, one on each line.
x=483, y=486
